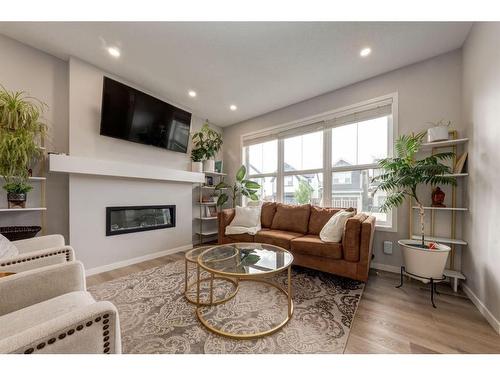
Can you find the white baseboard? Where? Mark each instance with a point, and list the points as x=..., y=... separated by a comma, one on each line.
x=385, y=267
x=128, y=262
x=482, y=308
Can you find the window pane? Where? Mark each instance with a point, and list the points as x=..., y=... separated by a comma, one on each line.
x=360, y=143
x=304, y=152
x=268, y=188
x=263, y=158
x=304, y=188
x=357, y=191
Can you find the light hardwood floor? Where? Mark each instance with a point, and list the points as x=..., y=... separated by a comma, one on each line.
x=391, y=320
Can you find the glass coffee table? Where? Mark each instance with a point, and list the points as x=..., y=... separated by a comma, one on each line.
x=243, y=262
x=191, y=257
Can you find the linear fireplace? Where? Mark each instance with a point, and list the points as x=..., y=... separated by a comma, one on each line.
x=129, y=219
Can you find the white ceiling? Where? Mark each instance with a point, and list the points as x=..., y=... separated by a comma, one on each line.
x=259, y=67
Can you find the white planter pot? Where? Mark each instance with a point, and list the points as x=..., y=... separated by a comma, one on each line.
x=197, y=166
x=209, y=165
x=424, y=262
x=438, y=133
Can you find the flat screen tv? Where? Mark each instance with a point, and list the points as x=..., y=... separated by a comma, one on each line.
x=134, y=116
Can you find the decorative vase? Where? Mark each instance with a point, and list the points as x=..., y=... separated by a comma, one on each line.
x=437, y=133
x=209, y=165
x=197, y=166
x=16, y=200
x=424, y=263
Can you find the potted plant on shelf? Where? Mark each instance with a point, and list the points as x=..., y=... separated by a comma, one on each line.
x=209, y=142
x=400, y=178
x=21, y=127
x=197, y=155
x=240, y=187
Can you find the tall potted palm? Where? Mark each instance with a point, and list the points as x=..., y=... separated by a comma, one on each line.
x=400, y=178
x=21, y=127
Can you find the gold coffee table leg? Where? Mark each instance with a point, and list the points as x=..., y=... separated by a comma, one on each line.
x=198, y=285
x=247, y=336
x=185, y=276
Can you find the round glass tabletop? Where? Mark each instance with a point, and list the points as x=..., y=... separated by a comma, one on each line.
x=245, y=259
x=192, y=255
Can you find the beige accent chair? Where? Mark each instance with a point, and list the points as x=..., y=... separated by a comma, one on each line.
x=48, y=310
x=38, y=252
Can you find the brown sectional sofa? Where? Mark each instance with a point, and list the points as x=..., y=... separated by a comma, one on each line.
x=297, y=228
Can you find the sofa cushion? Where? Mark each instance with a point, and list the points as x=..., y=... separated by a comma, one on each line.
x=311, y=245
x=319, y=217
x=291, y=218
x=31, y=316
x=244, y=237
x=276, y=237
x=7, y=248
x=267, y=214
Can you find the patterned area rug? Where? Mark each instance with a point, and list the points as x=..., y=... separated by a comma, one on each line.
x=156, y=318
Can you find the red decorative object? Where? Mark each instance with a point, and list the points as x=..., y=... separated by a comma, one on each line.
x=437, y=197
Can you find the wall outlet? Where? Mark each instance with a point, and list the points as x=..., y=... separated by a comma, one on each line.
x=388, y=247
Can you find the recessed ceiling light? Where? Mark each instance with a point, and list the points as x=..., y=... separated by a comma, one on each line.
x=192, y=93
x=232, y=107
x=114, y=51
x=365, y=52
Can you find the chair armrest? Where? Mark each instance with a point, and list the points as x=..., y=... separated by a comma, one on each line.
x=30, y=287
x=224, y=218
x=39, y=243
x=90, y=329
x=37, y=259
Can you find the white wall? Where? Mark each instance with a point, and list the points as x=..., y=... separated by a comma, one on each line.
x=481, y=115
x=89, y=195
x=45, y=77
x=428, y=91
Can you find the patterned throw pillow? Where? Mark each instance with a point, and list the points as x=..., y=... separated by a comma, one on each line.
x=333, y=229
x=7, y=248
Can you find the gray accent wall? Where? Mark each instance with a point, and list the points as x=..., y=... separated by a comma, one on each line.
x=481, y=116
x=427, y=91
x=43, y=76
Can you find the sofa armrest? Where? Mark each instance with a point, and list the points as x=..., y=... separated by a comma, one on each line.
x=224, y=218
x=351, y=237
x=366, y=245
x=39, y=243
x=36, y=259
x=34, y=286
x=90, y=329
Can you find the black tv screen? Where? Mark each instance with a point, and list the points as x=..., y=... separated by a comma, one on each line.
x=134, y=116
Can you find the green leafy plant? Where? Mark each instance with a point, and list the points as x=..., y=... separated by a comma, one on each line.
x=21, y=126
x=17, y=187
x=207, y=142
x=403, y=174
x=240, y=187
x=304, y=191
x=197, y=154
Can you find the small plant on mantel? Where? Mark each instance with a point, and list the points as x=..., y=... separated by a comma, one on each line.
x=240, y=187
x=206, y=143
x=21, y=127
x=403, y=174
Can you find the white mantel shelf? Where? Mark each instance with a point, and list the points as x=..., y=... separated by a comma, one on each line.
x=109, y=168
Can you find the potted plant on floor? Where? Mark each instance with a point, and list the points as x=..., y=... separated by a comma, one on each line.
x=208, y=142
x=240, y=187
x=21, y=127
x=400, y=178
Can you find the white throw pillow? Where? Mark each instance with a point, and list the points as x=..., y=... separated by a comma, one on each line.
x=7, y=248
x=246, y=217
x=333, y=229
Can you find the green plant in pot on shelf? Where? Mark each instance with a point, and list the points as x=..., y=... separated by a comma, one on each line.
x=240, y=187
x=206, y=144
x=197, y=155
x=21, y=127
x=401, y=177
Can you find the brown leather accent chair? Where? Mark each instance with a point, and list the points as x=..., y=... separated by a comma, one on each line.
x=296, y=228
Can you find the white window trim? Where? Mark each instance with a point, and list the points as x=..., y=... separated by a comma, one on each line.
x=314, y=122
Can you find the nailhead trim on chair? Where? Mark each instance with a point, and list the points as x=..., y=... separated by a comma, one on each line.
x=79, y=327
x=66, y=251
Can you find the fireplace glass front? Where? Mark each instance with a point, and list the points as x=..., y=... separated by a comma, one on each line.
x=128, y=219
